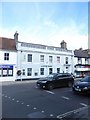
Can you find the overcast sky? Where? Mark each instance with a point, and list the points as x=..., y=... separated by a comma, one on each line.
x=46, y=23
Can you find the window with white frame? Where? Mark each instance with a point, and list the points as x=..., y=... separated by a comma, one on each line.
x=29, y=71
x=79, y=60
x=50, y=70
x=66, y=60
x=6, y=56
x=29, y=57
x=86, y=60
x=41, y=58
x=50, y=59
x=41, y=71
x=58, y=59
x=58, y=70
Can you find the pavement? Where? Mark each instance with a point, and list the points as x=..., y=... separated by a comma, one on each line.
x=22, y=82
x=16, y=82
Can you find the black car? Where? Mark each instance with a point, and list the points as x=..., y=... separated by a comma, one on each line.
x=55, y=80
x=82, y=86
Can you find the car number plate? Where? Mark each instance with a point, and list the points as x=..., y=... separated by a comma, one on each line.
x=77, y=89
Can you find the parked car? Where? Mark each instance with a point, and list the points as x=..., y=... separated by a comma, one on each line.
x=82, y=86
x=55, y=80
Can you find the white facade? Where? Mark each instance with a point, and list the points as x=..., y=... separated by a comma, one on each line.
x=8, y=65
x=37, y=61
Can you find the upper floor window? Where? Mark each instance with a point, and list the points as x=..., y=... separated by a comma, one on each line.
x=58, y=59
x=66, y=60
x=6, y=56
x=29, y=57
x=86, y=60
x=42, y=58
x=50, y=59
x=79, y=60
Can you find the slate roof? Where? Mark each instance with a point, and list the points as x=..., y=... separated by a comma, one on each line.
x=82, y=53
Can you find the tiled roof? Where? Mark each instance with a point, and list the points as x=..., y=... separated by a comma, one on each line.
x=82, y=53
x=7, y=44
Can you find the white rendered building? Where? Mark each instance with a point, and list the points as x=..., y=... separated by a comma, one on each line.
x=23, y=61
x=8, y=58
x=36, y=60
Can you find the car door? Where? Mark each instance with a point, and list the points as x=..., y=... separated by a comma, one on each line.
x=59, y=80
x=56, y=81
x=63, y=80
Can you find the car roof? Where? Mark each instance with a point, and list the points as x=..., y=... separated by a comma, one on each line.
x=61, y=73
x=64, y=73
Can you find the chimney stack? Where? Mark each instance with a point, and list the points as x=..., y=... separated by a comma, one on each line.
x=16, y=37
x=63, y=45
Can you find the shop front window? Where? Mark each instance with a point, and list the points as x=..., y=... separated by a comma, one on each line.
x=6, y=70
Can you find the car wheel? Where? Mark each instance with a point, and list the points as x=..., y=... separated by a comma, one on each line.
x=69, y=84
x=50, y=86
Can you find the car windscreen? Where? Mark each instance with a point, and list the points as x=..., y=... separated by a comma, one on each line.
x=51, y=76
x=86, y=79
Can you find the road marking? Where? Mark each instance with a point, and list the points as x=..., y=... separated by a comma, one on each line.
x=50, y=92
x=83, y=104
x=17, y=101
x=28, y=105
x=70, y=112
x=65, y=97
x=42, y=111
x=51, y=115
x=22, y=103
